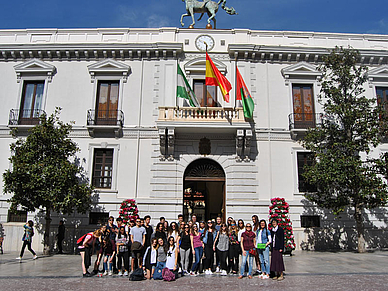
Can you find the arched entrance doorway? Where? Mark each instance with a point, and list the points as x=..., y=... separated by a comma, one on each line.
x=204, y=190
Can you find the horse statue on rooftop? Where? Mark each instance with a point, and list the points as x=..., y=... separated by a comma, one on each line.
x=207, y=6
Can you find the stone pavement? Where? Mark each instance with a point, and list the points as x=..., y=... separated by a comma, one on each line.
x=304, y=271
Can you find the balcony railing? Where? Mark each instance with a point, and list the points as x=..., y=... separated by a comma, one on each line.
x=25, y=116
x=198, y=114
x=105, y=117
x=304, y=120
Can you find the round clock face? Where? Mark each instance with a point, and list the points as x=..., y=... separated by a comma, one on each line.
x=204, y=40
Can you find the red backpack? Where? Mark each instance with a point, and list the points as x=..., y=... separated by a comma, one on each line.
x=82, y=238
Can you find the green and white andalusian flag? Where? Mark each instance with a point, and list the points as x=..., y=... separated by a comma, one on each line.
x=184, y=90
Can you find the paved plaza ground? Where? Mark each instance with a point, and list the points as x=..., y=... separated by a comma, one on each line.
x=304, y=271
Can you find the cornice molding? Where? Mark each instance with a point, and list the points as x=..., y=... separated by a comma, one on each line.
x=291, y=54
x=90, y=51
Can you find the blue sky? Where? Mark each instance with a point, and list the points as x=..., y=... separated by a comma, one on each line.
x=302, y=15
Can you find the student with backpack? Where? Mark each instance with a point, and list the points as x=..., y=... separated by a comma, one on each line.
x=27, y=240
x=109, y=251
x=263, y=240
x=149, y=259
x=122, y=243
x=86, y=247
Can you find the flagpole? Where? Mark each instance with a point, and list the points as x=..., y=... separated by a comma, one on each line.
x=235, y=81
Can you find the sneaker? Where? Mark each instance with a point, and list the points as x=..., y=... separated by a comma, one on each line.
x=105, y=273
x=192, y=274
x=19, y=258
x=126, y=273
x=180, y=270
x=86, y=275
x=261, y=276
x=119, y=273
x=210, y=272
x=218, y=270
x=206, y=272
x=110, y=273
x=35, y=257
x=265, y=277
x=223, y=273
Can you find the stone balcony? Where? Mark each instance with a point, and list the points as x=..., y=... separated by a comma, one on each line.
x=206, y=116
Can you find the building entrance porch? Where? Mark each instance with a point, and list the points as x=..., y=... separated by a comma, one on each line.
x=204, y=190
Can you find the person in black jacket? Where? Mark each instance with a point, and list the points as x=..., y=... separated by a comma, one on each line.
x=277, y=264
x=60, y=236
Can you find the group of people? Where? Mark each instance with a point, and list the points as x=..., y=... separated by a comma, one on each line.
x=186, y=248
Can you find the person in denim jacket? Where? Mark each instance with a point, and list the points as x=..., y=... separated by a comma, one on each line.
x=263, y=236
x=208, y=240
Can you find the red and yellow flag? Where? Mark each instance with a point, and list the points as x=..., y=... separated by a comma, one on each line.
x=215, y=78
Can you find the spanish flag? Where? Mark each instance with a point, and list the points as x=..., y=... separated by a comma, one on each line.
x=215, y=78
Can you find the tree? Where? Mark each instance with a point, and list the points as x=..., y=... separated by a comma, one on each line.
x=353, y=125
x=45, y=172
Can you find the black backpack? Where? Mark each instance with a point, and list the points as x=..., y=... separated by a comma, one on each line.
x=137, y=275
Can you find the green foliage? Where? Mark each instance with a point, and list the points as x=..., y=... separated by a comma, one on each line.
x=45, y=170
x=352, y=127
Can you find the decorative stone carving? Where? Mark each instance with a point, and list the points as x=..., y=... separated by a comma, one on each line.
x=247, y=144
x=162, y=143
x=170, y=143
x=204, y=146
x=239, y=144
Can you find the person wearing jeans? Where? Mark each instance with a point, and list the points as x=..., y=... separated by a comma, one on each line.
x=263, y=239
x=109, y=251
x=197, y=247
x=248, y=242
x=27, y=240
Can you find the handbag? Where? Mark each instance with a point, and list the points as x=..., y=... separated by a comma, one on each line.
x=252, y=252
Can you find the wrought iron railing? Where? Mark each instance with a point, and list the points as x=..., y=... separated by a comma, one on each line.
x=304, y=120
x=25, y=116
x=211, y=114
x=105, y=117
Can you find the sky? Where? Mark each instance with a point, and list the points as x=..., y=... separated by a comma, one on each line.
x=344, y=16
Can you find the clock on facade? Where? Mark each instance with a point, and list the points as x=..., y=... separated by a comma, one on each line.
x=202, y=40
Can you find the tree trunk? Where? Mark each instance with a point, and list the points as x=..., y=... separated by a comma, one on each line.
x=360, y=228
x=46, y=238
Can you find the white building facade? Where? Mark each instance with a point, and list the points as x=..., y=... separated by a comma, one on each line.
x=139, y=141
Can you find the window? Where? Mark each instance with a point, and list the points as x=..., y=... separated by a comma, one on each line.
x=100, y=218
x=31, y=104
x=102, y=168
x=304, y=158
x=107, y=103
x=303, y=102
x=382, y=97
x=310, y=221
x=19, y=216
x=206, y=95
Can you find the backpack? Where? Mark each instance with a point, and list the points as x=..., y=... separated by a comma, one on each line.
x=137, y=275
x=82, y=238
x=168, y=275
x=158, y=275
